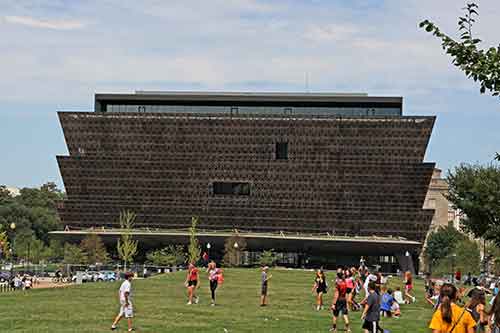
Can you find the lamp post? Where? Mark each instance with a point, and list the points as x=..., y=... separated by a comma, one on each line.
x=453, y=256
x=208, y=249
x=13, y=229
x=237, y=253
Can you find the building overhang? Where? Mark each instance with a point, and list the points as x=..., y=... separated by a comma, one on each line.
x=282, y=242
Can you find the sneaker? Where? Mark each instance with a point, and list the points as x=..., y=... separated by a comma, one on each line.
x=131, y=329
x=113, y=327
x=189, y=303
x=196, y=300
x=318, y=307
x=333, y=330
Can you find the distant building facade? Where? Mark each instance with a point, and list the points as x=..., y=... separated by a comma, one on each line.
x=346, y=166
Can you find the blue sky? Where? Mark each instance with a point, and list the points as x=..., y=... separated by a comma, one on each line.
x=54, y=55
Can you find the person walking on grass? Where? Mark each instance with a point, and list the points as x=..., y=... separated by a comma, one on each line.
x=192, y=284
x=339, y=303
x=371, y=311
x=450, y=317
x=214, y=275
x=495, y=315
x=409, y=287
x=125, y=297
x=320, y=286
x=264, y=283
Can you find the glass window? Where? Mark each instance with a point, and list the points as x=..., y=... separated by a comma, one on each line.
x=231, y=188
x=281, y=150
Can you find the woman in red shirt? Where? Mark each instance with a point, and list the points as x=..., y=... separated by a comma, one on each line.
x=191, y=284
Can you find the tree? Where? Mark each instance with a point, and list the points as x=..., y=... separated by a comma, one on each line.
x=73, y=254
x=94, y=247
x=4, y=245
x=475, y=190
x=127, y=247
x=441, y=243
x=5, y=196
x=466, y=259
x=233, y=248
x=481, y=65
x=194, y=250
x=268, y=258
x=172, y=255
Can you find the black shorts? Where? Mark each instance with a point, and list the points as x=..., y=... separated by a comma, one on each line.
x=349, y=290
x=192, y=283
x=263, y=290
x=340, y=306
x=321, y=290
x=371, y=326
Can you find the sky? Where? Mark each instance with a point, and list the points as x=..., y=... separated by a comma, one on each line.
x=54, y=55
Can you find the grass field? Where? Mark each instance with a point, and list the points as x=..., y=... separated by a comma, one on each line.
x=160, y=306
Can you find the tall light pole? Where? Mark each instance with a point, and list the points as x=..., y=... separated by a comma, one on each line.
x=237, y=253
x=13, y=229
x=208, y=250
x=453, y=256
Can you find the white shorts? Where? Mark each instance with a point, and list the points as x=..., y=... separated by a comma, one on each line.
x=127, y=312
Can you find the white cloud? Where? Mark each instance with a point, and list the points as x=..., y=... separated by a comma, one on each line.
x=45, y=24
x=330, y=32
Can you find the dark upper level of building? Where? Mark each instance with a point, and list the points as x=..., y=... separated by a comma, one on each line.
x=245, y=103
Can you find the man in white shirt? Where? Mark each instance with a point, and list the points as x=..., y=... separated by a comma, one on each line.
x=126, y=309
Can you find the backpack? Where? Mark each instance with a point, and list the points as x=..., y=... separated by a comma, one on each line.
x=220, y=277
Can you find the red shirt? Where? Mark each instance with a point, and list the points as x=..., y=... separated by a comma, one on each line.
x=193, y=274
x=342, y=288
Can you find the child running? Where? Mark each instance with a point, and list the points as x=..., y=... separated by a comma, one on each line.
x=125, y=297
x=191, y=284
x=320, y=286
x=409, y=287
x=213, y=277
x=339, y=303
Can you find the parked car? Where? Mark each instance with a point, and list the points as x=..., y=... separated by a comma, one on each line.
x=108, y=275
x=5, y=276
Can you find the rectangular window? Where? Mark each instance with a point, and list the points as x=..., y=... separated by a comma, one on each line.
x=288, y=111
x=281, y=150
x=231, y=188
x=234, y=110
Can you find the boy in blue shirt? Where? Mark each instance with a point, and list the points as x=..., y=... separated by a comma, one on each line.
x=386, y=303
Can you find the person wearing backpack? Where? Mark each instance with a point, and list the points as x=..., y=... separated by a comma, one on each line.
x=215, y=278
x=449, y=317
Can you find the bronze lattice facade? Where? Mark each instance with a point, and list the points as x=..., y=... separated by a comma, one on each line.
x=307, y=163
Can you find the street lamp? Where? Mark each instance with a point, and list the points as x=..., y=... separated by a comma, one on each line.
x=208, y=249
x=13, y=228
x=237, y=253
x=453, y=256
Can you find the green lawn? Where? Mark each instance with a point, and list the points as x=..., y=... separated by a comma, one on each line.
x=160, y=306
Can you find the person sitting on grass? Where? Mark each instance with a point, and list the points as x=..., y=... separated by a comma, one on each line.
x=386, y=303
x=450, y=317
x=398, y=296
x=125, y=296
x=264, y=282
